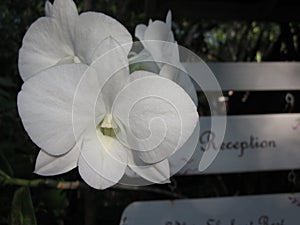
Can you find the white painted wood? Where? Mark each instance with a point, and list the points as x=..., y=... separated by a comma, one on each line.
x=278, y=209
x=279, y=132
x=251, y=143
x=250, y=76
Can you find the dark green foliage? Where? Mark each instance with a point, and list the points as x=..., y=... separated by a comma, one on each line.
x=212, y=40
x=22, y=212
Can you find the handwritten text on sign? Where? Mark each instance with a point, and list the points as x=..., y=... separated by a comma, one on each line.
x=280, y=209
x=251, y=143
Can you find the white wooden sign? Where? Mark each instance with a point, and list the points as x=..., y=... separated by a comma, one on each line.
x=251, y=143
x=250, y=76
x=279, y=209
x=254, y=142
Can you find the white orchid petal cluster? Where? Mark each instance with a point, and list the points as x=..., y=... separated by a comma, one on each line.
x=81, y=105
x=158, y=41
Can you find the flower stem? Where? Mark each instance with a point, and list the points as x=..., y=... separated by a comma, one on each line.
x=6, y=180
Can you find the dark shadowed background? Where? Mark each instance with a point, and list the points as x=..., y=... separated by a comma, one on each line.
x=221, y=31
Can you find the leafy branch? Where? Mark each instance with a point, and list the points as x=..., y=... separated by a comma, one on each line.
x=6, y=180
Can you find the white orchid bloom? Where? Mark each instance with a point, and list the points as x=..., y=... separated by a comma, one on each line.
x=103, y=120
x=158, y=40
x=162, y=32
x=63, y=36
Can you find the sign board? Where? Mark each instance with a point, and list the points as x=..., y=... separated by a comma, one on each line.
x=250, y=76
x=279, y=209
x=251, y=143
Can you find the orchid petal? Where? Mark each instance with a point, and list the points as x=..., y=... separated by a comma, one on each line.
x=92, y=28
x=48, y=165
x=158, y=39
x=49, y=39
x=155, y=116
x=88, y=107
x=65, y=11
x=186, y=83
x=181, y=78
x=155, y=173
x=159, y=31
x=40, y=47
x=48, y=8
x=140, y=31
x=112, y=69
x=163, y=52
x=181, y=157
x=102, y=161
x=45, y=107
x=169, y=19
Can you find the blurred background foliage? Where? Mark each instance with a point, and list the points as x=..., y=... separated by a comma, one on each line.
x=24, y=199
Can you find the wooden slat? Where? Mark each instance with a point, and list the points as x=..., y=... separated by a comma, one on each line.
x=250, y=76
x=251, y=143
x=275, y=209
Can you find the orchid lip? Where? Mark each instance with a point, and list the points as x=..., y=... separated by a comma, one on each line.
x=69, y=59
x=107, y=126
x=76, y=59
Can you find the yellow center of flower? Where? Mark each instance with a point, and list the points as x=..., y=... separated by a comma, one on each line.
x=107, y=126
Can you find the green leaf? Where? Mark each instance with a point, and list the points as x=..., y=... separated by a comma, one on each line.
x=22, y=212
x=5, y=166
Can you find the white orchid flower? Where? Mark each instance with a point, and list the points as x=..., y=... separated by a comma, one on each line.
x=103, y=120
x=63, y=36
x=162, y=32
x=158, y=40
